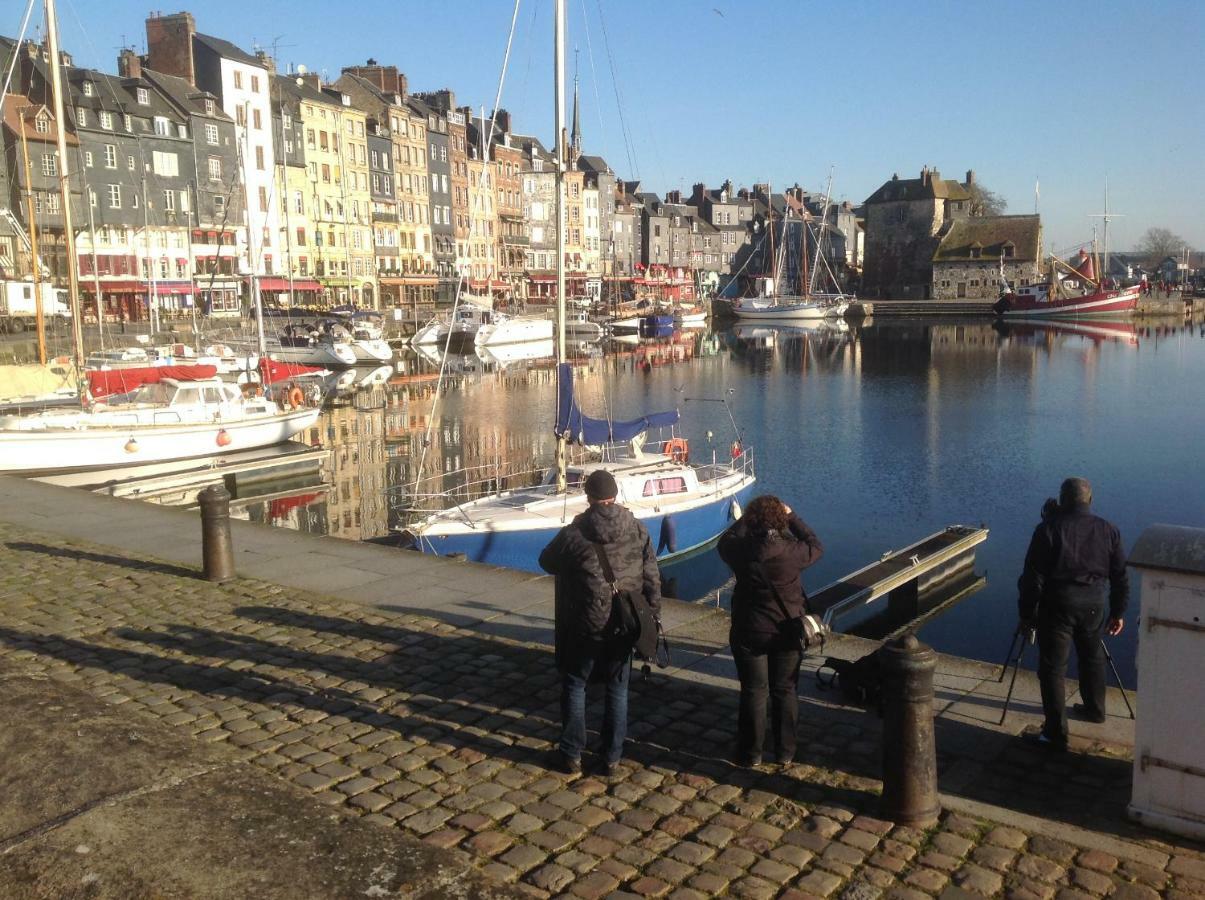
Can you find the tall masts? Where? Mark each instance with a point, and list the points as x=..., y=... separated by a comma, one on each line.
x=562, y=152
x=56, y=88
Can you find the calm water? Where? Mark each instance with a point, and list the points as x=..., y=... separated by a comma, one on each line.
x=877, y=436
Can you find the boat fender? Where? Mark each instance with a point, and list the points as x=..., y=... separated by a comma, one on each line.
x=668, y=539
x=296, y=397
x=735, y=510
x=737, y=450
x=678, y=449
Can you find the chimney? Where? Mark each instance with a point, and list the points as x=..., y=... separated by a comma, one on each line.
x=169, y=45
x=924, y=175
x=128, y=64
x=312, y=80
x=385, y=78
x=267, y=62
x=673, y=197
x=502, y=121
x=970, y=177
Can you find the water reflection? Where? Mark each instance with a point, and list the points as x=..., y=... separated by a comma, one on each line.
x=878, y=433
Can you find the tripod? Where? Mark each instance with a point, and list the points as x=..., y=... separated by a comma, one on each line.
x=1023, y=637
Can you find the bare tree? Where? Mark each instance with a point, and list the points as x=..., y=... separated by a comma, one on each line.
x=1159, y=243
x=986, y=202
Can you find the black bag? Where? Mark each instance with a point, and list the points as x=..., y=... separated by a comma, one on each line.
x=632, y=625
x=804, y=631
x=859, y=680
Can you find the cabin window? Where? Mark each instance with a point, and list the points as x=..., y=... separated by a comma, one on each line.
x=213, y=395
x=661, y=486
x=185, y=396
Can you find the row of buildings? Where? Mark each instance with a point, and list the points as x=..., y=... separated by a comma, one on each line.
x=200, y=174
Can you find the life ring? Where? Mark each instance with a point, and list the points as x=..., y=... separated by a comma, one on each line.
x=296, y=397
x=677, y=449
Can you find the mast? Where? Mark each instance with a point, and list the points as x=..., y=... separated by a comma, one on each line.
x=153, y=301
x=33, y=246
x=56, y=89
x=558, y=63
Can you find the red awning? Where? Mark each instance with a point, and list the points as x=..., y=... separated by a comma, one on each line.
x=129, y=286
x=282, y=284
x=169, y=287
x=121, y=381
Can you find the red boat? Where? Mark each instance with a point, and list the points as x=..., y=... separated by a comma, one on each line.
x=1100, y=298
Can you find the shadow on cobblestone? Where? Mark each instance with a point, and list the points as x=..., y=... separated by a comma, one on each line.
x=123, y=562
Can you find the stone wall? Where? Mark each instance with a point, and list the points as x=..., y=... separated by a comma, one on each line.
x=981, y=278
x=901, y=238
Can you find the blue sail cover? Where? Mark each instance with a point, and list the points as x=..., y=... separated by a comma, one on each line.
x=582, y=429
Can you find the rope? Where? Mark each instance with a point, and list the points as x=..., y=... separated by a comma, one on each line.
x=623, y=125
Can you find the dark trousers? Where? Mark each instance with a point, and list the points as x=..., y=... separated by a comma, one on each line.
x=614, y=670
x=1061, y=624
x=768, y=667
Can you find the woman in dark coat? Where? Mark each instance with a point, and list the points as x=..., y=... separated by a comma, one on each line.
x=767, y=549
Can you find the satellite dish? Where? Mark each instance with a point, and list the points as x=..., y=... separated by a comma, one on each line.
x=301, y=69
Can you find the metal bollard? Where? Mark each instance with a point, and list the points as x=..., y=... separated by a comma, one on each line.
x=909, y=747
x=217, y=549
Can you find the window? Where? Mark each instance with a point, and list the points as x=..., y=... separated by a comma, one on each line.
x=219, y=205
x=309, y=138
x=88, y=158
x=115, y=196
x=169, y=201
x=165, y=164
x=211, y=134
x=209, y=107
x=184, y=201
x=263, y=199
x=130, y=164
x=215, y=169
x=256, y=121
x=255, y=86
x=81, y=118
x=238, y=80
x=92, y=198
x=50, y=165
x=443, y=154
x=259, y=158
x=143, y=95
x=110, y=156
x=657, y=486
x=162, y=126
x=298, y=204
x=128, y=121
x=106, y=120
x=52, y=203
x=41, y=124
x=181, y=130
x=286, y=121
x=240, y=116
x=301, y=237
x=88, y=92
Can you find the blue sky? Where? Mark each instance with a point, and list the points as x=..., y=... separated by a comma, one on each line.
x=1070, y=93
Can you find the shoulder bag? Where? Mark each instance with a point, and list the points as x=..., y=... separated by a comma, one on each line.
x=632, y=625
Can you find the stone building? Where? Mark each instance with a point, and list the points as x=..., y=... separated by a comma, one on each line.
x=439, y=199
x=973, y=253
x=905, y=219
x=512, y=238
x=625, y=240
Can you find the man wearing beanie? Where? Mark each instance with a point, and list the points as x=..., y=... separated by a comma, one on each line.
x=583, y=606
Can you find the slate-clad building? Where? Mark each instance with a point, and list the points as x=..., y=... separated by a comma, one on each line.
x=439, y=173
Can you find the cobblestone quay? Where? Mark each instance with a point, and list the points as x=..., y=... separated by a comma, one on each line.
x=439, y=730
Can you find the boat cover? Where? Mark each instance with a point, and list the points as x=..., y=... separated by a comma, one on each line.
x=581, y=429
x=272, y=371
x=121, y=381
x=30, y=382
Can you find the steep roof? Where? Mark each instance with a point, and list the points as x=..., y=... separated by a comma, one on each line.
x=928, y=187
x=226, y=49
x=185, y=94
x=593, y=164
x=989, y=234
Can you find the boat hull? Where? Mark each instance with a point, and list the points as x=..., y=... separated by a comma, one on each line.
x=102, y=447
x=513, y=331
x=326, y=356
x=372, y=351
x=692, y=529
x=1101, y=303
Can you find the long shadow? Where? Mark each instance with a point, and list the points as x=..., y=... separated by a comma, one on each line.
x=124, y=562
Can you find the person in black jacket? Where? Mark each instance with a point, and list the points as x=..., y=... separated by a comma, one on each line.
x=583, y=606
x=767, y=549
x=1072, y=556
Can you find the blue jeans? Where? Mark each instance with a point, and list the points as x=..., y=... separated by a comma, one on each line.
x=573, y=703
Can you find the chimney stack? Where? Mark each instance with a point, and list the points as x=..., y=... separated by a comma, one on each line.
x=169, y=45
x=128, y=64
x=267, y=62
x=924, y=176
x=970, y=177
x=673, y=197
x=502, y=121
x=312, y=80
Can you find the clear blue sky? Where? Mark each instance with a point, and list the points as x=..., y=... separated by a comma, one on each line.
x=779, y=90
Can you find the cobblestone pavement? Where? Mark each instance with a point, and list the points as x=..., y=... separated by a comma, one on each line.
x=442, y=732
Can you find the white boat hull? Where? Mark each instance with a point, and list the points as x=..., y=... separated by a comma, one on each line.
x=372, y=351
x=513, y=331
x=328, y=356
x=100, y=447
x=432, y=333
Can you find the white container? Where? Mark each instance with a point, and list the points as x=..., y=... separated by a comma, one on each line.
x=1169, y=735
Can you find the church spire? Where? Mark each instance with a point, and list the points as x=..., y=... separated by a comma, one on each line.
x=575, y=139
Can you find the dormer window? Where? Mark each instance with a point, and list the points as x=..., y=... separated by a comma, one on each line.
x=106, y=120
x=1009, y=250
x=88, y=89
x=41, y=124
x=144, y=96
x=209, y=108
x=976, y=251
x=129, y=122
x=81, y=118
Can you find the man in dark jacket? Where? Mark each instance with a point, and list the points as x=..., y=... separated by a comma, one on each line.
x=583, y=606
x=1072, y=556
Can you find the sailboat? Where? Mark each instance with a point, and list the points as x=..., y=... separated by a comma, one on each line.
x=684, y=505
x=166, y=420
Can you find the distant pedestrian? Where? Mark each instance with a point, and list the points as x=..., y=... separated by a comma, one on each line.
x=767, y=549
x=605, y=535
x=1073, y=557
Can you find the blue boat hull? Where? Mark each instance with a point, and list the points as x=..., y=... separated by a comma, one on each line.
x=673, y=535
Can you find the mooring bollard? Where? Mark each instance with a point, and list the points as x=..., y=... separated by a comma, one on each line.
x=217, y=549
x=909, y=747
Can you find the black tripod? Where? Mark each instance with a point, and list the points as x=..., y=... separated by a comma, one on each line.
x=1022, y=638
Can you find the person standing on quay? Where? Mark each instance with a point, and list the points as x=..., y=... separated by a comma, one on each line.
x=583, y=607
x=767, y=549
x=1072, y=556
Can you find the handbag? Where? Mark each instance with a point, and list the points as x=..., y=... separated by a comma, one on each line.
x=806, y=630
x=632, y=625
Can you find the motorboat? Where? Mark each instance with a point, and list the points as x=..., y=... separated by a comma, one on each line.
x=579, y=327
x=504, y=329
x=159, y=421
x=311, y=349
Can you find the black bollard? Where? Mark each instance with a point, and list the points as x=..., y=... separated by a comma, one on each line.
x=217, y=549
x=909, y=747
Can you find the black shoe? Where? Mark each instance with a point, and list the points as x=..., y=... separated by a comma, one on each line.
x=563, y=763
x=606, y=769
x=784, y=759
x=1080, y=711
x=1039, y=739
x=747, y=760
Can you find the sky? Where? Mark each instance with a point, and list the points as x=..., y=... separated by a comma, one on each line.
x=1070, y=96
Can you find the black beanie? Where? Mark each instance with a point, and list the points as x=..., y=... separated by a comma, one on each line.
x=600, y=485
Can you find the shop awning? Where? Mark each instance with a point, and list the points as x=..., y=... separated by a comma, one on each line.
x=125, y=286
x=170, y=287
x=282, y=284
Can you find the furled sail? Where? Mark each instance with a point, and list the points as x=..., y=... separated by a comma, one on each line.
x=581, y=429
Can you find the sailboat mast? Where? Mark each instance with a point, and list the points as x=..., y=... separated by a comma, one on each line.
x=56, y=89
x=558, y=62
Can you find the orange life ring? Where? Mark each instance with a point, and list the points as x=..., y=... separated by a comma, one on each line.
x=677, y=449
x=296, y=397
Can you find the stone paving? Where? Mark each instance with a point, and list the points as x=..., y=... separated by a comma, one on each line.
x=442, y=732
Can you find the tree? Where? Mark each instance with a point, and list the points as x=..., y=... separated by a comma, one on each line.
x=985, y=202
x=1159, y=243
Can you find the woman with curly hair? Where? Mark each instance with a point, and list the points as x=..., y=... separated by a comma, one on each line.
x=767, y=549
